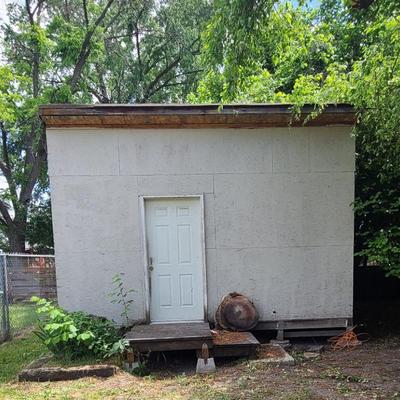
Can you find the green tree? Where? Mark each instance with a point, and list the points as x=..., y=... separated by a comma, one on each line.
x=39, y=231
x=376, y=93
x=150, y=53
x=82, y=51
x=340, y=52
x=35, y=74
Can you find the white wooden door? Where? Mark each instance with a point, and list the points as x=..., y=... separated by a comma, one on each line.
x=174, y=249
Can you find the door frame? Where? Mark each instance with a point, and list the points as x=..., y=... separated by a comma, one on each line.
x=144, y=244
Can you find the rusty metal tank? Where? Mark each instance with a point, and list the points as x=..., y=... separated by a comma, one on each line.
x=236, y=312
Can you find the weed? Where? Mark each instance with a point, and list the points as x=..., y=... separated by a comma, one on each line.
x=297, y=355
x=343, y=388
x=337, y=374
x=303, y=394
x=121, y=295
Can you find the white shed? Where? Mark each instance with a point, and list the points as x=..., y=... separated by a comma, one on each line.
x=192, y=202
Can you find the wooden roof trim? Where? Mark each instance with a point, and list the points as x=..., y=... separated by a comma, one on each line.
x=189, y=116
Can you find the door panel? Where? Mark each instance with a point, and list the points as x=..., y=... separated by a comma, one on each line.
x=174, y=245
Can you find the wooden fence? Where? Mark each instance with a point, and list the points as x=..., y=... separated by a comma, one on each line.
x=30, y=275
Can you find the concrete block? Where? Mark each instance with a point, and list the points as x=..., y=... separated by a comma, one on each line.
x=84, y=282
x=316, y=348
x=284, y=343
x=309, y=355
x=205, y=366
x=290, y=150
x=332, y=149
x=82, y=152
x=95, y=213
x=198, y=151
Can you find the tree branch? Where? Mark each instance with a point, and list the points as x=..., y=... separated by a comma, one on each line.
x=4, y=148
x=102, y=84
x=116, y=16
x=86, y=48
x=66, y=11
x=29, y=12
x=5, y=214
x=35, y=50
x=3, y=223
x=5, y=166
x=136, y=33
x=85, y=13
x=35, y=165
x=168, y=84
x=38, y=5
x=151, y=87
x=149, y=90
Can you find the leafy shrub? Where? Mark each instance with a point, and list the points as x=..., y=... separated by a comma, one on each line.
x=383, y=249
x=76, y=334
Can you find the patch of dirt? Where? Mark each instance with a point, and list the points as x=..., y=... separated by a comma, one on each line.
x=369, y=372
x=270, y=351
x=221, y=337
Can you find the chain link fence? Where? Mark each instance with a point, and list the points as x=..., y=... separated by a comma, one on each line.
x=23, y=276
x=4, y=316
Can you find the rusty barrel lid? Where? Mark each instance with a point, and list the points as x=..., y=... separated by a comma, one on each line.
x=236, y=312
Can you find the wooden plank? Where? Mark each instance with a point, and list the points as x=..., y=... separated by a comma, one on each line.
x=171, y=345
x=321, y=323
x=168, y=116
x=167, y=337
x=234, y=351
x=179, y=122
x=313, y=333
x=176, y=108
x=226, y=338
x=234, y=344
x=52, y=374
x=169, y=332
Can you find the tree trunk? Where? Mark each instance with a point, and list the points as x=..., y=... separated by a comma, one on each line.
x=16, y=240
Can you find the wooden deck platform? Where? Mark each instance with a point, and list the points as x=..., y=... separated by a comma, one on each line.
x=191, y=336
x=166, y=337
x=234, y=344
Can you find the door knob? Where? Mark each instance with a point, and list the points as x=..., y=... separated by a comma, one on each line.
x=150, y=264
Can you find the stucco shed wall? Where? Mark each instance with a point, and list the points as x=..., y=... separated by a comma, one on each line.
x=278, y=216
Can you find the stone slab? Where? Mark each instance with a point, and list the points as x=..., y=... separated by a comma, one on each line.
x=273, y=354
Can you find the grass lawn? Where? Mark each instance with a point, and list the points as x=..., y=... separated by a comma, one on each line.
x=124, y=387
x=16, y=354
x=22, y=316
x=367, y=372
